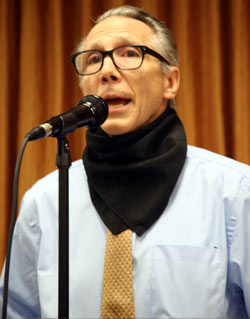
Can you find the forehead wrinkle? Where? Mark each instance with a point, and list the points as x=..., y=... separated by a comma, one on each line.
x=118, y=31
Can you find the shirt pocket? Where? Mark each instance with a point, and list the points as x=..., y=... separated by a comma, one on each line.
x=186, y=282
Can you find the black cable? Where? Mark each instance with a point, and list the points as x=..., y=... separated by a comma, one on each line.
x=12, y=225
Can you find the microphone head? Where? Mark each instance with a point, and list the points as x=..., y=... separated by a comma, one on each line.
x=98, y=106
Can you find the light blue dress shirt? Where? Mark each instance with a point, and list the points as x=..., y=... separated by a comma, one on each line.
x=194, y=262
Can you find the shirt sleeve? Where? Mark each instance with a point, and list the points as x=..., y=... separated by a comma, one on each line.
x=23, y=297
x=239, y=251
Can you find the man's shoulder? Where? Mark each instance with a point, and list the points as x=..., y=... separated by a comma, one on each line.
x=217, y=161
x=50, y=181
x=42, y=198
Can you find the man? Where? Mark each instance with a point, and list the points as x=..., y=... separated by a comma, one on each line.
x=188, y=209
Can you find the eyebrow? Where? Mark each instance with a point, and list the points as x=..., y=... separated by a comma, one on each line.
x=118, y=42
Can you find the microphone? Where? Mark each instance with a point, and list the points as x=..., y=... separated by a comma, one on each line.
x=90, y=111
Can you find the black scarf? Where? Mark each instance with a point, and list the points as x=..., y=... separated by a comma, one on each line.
x=132, y=176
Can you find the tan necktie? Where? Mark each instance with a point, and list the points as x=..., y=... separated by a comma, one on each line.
x=117, y=294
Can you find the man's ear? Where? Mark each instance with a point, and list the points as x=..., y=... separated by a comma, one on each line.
x=171, y=82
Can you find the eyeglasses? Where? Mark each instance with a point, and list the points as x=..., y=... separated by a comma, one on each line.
x=128, y=57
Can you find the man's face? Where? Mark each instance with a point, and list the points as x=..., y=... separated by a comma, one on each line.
x=135, y=97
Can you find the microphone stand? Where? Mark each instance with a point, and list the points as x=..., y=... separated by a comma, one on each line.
x=63, y=162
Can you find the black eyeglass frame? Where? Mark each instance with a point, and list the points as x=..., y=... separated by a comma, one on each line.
x=144, y=49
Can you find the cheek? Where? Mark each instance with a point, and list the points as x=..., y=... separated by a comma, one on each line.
x=152, y=91
x=87, y=86
x=154, y=102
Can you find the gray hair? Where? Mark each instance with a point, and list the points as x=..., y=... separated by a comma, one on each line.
x=163, y=40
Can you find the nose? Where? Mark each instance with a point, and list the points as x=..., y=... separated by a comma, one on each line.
x=109, y=72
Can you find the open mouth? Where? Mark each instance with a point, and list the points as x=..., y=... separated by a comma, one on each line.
x=117, y=102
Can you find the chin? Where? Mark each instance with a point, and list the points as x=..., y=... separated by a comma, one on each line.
x=115, y=129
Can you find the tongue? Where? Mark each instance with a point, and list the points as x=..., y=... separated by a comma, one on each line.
x=117, y=102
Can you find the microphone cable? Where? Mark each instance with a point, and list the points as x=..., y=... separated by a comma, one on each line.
x=12, y=225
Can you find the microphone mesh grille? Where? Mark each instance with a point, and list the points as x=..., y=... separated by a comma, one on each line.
x=99, y=107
